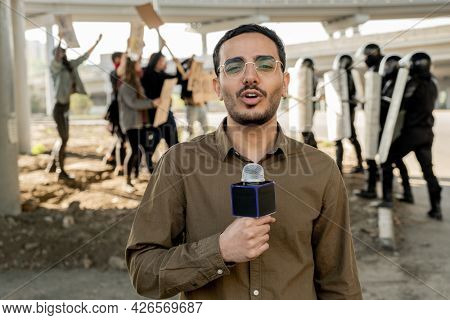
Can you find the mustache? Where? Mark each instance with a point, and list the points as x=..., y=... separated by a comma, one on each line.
x=251, y=87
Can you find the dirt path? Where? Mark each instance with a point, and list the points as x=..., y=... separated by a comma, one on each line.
x=79, y=231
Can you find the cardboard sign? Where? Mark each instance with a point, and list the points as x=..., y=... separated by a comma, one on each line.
x=67, y=32
x=136, y=40
x=162, y=111
x=201, y=84
x=149, y=15
x=208, y=87
x=196, y=74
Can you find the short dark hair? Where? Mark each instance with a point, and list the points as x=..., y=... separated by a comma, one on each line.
x=116, y=55
x=249, y=28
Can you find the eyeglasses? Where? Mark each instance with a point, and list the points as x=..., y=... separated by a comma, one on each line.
x=235, y=67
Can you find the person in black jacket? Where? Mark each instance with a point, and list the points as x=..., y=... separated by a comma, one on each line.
x=116, y=155
x=419, y=99
x=152, y=82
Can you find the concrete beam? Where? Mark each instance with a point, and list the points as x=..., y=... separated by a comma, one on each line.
x=219, y=25
x=207, y=10
x=342, y=23
x=49, y=91
x=9, y=182
x=35, y=21
x=22, y=99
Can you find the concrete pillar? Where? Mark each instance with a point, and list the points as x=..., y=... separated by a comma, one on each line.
x=9, y=182
x=204, y=45
x=447, y=98
x=22, y=100
x=49, y=91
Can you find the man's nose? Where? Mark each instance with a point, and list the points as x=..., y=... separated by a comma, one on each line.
x=250, y=74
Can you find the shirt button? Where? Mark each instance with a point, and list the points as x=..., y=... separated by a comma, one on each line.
x=220, y=271
x=256, y=292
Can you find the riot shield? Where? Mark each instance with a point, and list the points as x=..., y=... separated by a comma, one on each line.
x=359, y=86
x=302, y=94
x=338, y=109
x=392, y=116
x=372, y=113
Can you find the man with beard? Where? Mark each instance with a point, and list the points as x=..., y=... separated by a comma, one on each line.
x=184, y=238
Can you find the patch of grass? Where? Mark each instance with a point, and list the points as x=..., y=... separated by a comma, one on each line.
x=38, y=149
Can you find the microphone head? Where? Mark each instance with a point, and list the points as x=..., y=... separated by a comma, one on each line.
x=252, y=173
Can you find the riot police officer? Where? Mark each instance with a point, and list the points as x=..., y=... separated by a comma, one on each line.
x=389, y=69
x=308, y=135
x=416, y=135
x=346, y=62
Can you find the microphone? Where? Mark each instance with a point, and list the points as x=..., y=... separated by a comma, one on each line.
x=253, y=197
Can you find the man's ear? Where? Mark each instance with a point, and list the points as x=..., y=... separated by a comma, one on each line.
x=216, y=84
x=286, y=79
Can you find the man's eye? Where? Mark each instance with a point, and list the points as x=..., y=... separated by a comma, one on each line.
x=265, y=67
x=233, y=68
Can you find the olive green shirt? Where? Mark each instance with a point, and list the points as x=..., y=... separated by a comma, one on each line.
x=174, y=242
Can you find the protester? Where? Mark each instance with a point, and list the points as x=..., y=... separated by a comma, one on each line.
x=152, y=81
x=67, y=81
x=195, y=111
x=116, y=155
x=132, y=102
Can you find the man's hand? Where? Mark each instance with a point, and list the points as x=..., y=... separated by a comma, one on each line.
x=245, y=239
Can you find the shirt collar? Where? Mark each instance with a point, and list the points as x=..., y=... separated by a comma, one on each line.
x=224, y=144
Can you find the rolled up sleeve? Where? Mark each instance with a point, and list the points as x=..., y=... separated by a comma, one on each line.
x=161, y=264
x=335, y=274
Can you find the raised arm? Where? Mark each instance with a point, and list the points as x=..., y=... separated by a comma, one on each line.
x=85, y=56
x=123, y=63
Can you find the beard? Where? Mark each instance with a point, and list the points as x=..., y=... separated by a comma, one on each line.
x=249, y=118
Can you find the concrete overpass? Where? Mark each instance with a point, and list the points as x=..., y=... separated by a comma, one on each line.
x=207, y=12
